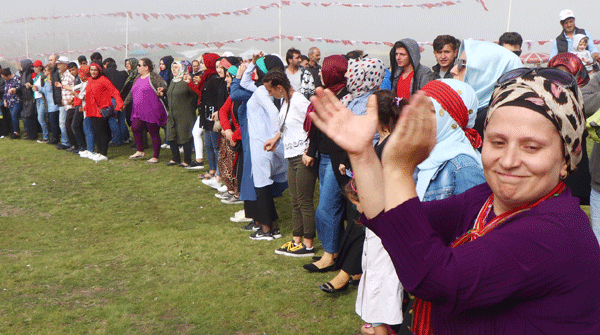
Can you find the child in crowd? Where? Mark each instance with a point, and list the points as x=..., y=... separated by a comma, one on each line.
x=580, y=48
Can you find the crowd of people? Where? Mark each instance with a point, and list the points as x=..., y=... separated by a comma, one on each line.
x=449, y=195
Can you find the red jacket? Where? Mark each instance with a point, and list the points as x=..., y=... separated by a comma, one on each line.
x=98, y=95
x=224, y=113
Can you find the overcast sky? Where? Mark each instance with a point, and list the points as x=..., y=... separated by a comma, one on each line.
x=533, y=19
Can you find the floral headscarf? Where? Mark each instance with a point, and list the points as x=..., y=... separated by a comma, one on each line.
x=574, y=64
x=363, y=76
x=180, y=73
x=84, y=72
x=562, y=106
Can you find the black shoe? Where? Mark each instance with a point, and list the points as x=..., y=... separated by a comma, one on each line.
x=354, y=282
x=195, y=165
x=313, y=268
x=70, y=149
x=171, y=163
x=276, y=233
x=252, y=226
x=260, y=235
x=328, y=288
x=14, y=136
x=53, y=142
x=75, y=151
x=316, y=258
x=61, y=147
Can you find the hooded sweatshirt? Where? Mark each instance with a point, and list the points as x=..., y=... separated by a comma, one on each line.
x=422, y=74
x=585, y=55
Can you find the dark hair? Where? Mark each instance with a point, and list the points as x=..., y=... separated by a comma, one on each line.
x=148, y=63
x=6, y=72
x=290, y=54
x=96, y=56
x=197, y=61
x=389, y=108
x=276, y=78
x=108, y=60
x=82, y=58
x=304, y=58
x=349, y=191
x=355, y=54
x=440, y=41
x=72, y=65
x=512, y=38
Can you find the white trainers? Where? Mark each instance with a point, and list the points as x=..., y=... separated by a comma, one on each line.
x=92, y=155
x=212, y=182
x=99, y=158
x=222, y=189
x=240, y=216
x=165, y=146
x=84, y=154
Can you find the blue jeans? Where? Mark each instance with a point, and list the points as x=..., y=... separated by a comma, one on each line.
x=15, y=113
x=62, y=123
x=41, y=113
x=118, y=128
x=328, y=216
x=595, y=212
x=211, y=143
x=88, y=130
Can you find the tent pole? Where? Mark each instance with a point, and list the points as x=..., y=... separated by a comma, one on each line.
x=509, y=12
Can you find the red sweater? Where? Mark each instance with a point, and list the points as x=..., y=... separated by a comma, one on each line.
x=98, y=95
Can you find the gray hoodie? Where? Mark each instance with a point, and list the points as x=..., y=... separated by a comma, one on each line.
x=422, y=73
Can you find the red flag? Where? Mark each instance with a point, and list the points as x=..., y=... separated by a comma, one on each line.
x=171, y=16
x=154, y=15
x=145, y=16
x=218, y=44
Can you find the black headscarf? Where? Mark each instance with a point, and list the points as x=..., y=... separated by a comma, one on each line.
x=271, y=62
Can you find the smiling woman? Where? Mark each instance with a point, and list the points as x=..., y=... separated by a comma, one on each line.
x=515, y=255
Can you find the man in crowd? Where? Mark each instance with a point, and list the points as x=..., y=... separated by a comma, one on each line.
x=445, y=49
x=408, y=75
x=314, y=56
x=96, y=57
x=195, y=69
x=564, y=41
x=304, y=61
x=57, y=97
x=82, y=60
x=512, y=41
x=118, y=125
x=66, y=101
x=301, y=79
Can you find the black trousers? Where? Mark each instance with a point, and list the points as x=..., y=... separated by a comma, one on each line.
x=266, y=212
x=68, y=125
x=187, y=152
x=77, y=127
x=101, y=134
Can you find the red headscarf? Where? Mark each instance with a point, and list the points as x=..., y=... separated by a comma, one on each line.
x=334, y=72
x=84, y=72
x=574, y=64
x=211, y=68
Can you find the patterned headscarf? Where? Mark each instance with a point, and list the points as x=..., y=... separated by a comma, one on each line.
x=562, y=106
x=574, y=64
x=180, y=73
x=84, y=72
x=364, y=75
x=133, y=63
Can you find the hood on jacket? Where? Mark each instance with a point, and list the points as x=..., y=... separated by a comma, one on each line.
x=412, y=47
x=486, y=62
x=576, y=40
x=26, y=65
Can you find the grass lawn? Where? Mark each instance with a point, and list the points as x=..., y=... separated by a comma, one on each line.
x=127, y=247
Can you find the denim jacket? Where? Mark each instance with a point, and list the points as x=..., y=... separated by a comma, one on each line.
x=454, y=177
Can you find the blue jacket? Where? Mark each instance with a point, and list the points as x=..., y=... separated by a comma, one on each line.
x=454, y=177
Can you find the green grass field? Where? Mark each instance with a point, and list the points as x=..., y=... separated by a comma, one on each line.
x=127, y=247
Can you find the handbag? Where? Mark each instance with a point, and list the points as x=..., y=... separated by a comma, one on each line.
x=217, y=125
x=108, y=112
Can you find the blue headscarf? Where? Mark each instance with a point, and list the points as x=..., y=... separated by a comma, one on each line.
x=486, y=62
x=166, y=74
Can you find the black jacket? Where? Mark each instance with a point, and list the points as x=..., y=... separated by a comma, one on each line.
x=56, y=91
x=212, y=100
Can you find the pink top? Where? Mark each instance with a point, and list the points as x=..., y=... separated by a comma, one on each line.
x=146, y=104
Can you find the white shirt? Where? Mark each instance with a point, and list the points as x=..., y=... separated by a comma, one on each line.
x=294, y=138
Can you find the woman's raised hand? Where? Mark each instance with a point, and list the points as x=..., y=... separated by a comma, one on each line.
x=352, y=133
x=413, y=137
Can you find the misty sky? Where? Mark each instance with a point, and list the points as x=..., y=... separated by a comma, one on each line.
x=533, y=19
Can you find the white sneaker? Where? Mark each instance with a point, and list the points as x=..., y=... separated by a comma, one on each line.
x=84, y=154
x=212, y=182
x=240, y=216
x=165, y=146
x=100, y=158
x=222, y=189
x=92, y=155
x=181, y=150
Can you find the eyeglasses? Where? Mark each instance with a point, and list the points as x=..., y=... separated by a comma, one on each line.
x=556, y=76
x=461, y=63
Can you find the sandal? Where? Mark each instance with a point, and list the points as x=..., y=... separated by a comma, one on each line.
x=206, y=176
x=152, y=160
x=137, y=155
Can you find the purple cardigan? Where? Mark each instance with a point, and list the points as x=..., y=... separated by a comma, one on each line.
x=537, y=273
